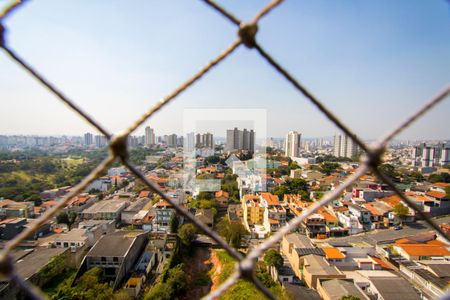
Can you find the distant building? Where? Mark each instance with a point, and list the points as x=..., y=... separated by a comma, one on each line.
x=344, y=146
x=100, y=141
x=207, y=140
x=88, y=139
x=240, y=140
x=172, y=140
x=190, y=144
x=431, y=155
x=149, y=136
x=292, y=144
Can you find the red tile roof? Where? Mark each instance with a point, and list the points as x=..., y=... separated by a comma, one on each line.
x=441, y=184
x=435, y=194
x=144, y=194
x=270, y=198
x=222, y=194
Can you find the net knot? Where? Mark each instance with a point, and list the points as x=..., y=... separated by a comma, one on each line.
x=247, y=33
x=119, y=145
x=373, y=158
x=246, y=269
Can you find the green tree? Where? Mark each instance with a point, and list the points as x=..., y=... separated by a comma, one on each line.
x=273, y=258
x=349, y=297
x=88, y=286
x=417, y=176
x=232, y=232
x=401, y=211
x=328, y=167
x=67, y=218
x=174, y=223
x=187, y=234
x=433, y=178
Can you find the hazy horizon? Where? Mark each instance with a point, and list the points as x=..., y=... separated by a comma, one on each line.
x=372, y=63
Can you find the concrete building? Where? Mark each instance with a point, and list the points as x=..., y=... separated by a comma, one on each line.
x=253, y=210
x=163, y=213
x=116, y=254
x=104, y=210
x=240, y=140
x=150, y=139
x=425, y=155
x=316, y=268
x=100, y=141
x=344, y=146
x=88, y=139
x=335, y=289
x=292, y=144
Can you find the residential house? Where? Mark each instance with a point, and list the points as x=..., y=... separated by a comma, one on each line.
x=164, y=211
x=315, y=226
x=274, y=214
x=253, y=210
x=433, y=276
x=13, y=209
x=127, y=215
x=10, y=228
x=205, y=216
x=422, y=251
x=289, y=248
x=391, y=288
x=222, y=198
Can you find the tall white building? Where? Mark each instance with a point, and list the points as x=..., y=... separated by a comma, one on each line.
x=149, y=136
x=431, y=155
x=292, y=144
x=100, y=141
x=344, y=146
x=189, y=146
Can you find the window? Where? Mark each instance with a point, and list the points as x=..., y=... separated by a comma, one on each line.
x=103, y=258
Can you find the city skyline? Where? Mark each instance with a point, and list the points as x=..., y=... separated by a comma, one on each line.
x=392, y=44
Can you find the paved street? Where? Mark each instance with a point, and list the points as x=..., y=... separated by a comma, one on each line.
x=382, y=235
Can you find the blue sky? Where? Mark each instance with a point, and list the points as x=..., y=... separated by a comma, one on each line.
x=372, y=62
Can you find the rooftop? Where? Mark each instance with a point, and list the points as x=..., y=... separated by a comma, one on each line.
x=270, y=198
x=317, y=265
x=299, y=241
x=394, y=288
x=105, y=206
x=337, y=288
x=115, y=244
x=333, y=253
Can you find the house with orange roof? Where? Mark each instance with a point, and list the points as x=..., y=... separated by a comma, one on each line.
x=274, y=214
x=439, y=186
x=333, y=254
x=422, y=251
x=222, y=198
x=144, y=194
